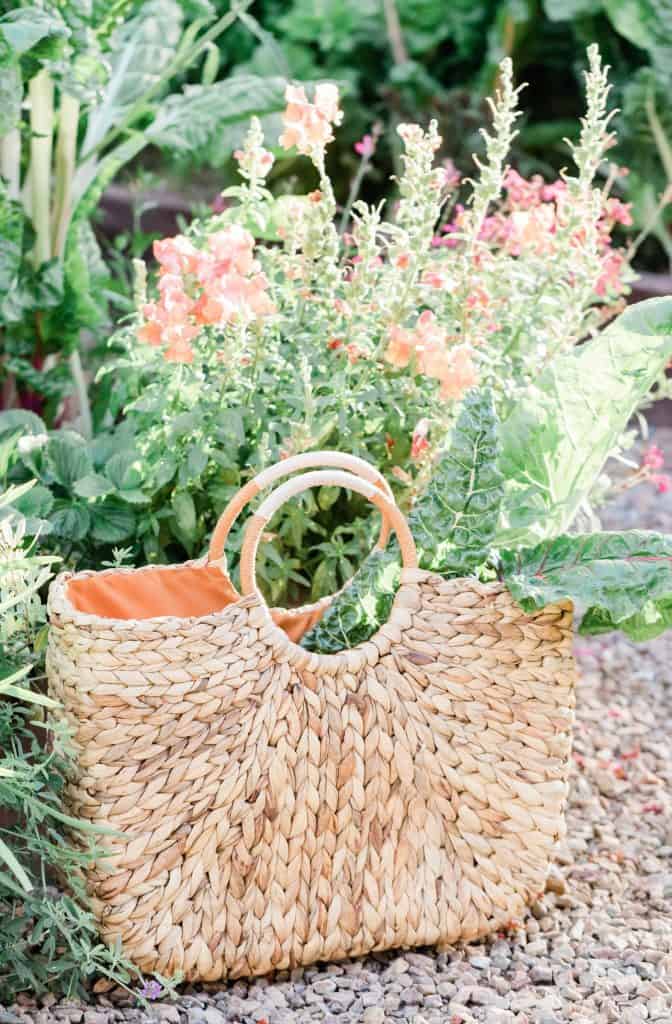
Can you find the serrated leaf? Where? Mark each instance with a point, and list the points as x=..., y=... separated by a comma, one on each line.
x=93, y=485
x=559, y=434
x=21, y=419
x=123, y=470
x=621, y=580
x=112, y=521
x=68, y=458
x=70, y=521
x=37, y=502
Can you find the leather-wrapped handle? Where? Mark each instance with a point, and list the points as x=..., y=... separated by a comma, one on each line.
x=319, y=478
x=307, y=460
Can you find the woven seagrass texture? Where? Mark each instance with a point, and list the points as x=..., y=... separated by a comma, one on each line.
x=278, y=807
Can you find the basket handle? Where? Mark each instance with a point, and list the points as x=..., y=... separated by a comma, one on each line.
x=307, y=460
x=319, y=478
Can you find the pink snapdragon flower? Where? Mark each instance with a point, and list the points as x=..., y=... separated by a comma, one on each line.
x=366, y=146
x=308, y=125
x=662, y=482
x=654, y=457
x=401, y=346
x=255, y=162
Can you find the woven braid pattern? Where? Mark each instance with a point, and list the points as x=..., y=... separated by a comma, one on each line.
x=278, y=807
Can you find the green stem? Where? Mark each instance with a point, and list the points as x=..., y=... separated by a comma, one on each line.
x=66, y=155
x=354, y=192
x=10, y=162
x=662, y=142
x=179, y=63
x=81, y=391
x=41, y=95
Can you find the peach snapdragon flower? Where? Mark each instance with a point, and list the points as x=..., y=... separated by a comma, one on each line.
x=428, y=344
x=217, y=285
x=308, y=125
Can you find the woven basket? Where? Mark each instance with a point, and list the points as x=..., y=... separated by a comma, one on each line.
x=273, y=807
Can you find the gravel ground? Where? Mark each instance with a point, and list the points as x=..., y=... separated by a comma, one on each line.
x=596, y=949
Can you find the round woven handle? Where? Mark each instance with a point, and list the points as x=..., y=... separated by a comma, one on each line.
x=307, y=460
x=319, y=478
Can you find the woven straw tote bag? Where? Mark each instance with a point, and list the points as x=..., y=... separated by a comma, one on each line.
x=272, y=807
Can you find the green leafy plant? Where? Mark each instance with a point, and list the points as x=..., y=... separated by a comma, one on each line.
x=48, y=939
x=94, y=81
x=244, y=351
x=453, y=522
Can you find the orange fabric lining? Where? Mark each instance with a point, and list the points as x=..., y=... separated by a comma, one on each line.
x=182, y=592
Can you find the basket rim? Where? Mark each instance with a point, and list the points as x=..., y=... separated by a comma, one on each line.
x=59, y=604
x=61, y=610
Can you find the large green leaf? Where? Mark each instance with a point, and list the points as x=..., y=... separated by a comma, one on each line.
x=559, y=434
x=621, y=580
x=453, y=523
x=11, y=232
x=70, y=521
x=140, y=51
x=216, y=117
x=25, y=27
x=648, y=25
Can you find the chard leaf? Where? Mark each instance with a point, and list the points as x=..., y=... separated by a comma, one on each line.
x=25, y=27
x=140, y=50
x=621, y=580
x=215, y=118
x=11, y=88
x=453, y=522
x=558, y=436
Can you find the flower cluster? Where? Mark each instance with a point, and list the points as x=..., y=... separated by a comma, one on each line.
x=653, y=461
x=530, y=219
x=427, y=344
x=308, y=125
x=215, y=286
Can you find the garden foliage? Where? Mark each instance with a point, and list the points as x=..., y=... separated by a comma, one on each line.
x=364, y=340
x=95, y=81
x=48, y=940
